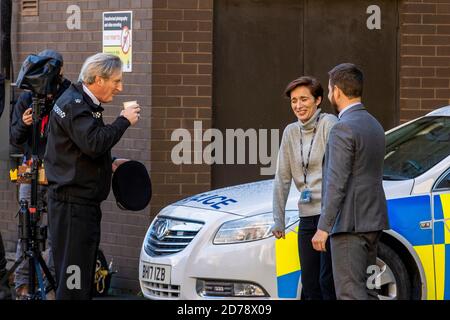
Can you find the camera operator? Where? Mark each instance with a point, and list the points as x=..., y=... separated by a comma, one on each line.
x=79, y=169
x=21, y=133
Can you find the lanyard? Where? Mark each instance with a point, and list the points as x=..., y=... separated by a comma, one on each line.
x=306, y=166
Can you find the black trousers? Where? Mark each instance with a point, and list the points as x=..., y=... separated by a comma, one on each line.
x=2, y=255
x=5, y=292
x=75, y=232
x=317, y=270
x=352, y=254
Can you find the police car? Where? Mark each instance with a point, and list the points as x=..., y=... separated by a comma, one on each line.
x=218, y=245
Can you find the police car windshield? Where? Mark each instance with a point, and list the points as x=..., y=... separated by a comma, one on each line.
x=417, y=147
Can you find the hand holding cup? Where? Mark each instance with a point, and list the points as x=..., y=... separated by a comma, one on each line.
x=131, y=111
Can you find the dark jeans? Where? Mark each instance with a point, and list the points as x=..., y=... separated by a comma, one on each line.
x=352, y=254
x=317, y=271
x=75, y=232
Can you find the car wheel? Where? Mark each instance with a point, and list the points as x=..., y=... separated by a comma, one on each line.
x=393, y=279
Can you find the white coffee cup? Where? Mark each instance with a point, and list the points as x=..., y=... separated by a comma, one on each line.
x=128, y=104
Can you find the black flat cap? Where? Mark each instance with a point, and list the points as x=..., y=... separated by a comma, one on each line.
x=132, y=186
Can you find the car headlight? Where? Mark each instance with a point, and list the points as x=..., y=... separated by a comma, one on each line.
x=251, y=228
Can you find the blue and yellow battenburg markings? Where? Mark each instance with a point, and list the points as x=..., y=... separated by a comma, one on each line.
x=287, y=265
x=405, y=216
x=442, y=245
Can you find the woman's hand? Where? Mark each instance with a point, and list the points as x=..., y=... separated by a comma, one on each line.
x=279, y=234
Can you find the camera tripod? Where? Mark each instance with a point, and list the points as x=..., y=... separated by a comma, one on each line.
x=31, y=234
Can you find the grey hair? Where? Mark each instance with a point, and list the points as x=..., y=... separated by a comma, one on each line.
x=101, y=64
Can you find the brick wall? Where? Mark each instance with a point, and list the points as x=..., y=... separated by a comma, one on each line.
x=424, y=57
x=181, y=83
x=122, y=232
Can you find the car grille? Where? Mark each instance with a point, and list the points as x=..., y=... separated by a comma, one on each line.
x=169, y=236
x=158, y=290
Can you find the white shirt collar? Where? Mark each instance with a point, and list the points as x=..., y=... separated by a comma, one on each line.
x=346, y=108
x=91, y=95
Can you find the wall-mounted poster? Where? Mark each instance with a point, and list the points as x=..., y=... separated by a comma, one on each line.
x=117, y=36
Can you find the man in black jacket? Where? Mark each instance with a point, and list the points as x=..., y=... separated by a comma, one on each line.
x=79, y=168
x=21, y=134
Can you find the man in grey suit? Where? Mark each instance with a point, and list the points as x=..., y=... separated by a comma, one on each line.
x=354, y=204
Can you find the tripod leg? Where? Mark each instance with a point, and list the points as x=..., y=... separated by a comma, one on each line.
x=32, y=277
x=40, y=280
x=47, y=274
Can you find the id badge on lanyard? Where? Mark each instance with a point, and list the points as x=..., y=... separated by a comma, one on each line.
x=306, y=193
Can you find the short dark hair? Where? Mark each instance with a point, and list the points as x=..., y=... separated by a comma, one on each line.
x=311, y=83
x=349, y=78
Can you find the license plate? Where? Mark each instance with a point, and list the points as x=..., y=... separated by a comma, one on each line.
x=157, y=273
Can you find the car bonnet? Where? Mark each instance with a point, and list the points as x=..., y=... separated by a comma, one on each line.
x=244, y=200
